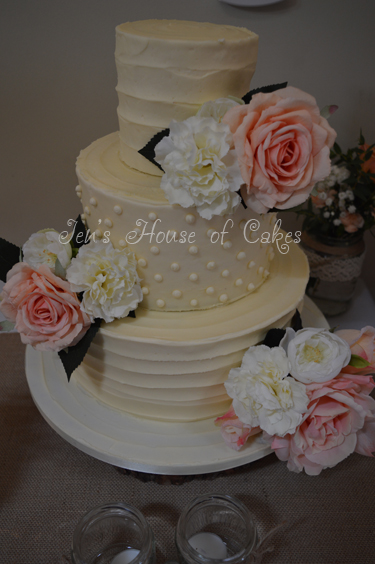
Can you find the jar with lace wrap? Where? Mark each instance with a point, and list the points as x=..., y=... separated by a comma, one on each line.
x=335, y=266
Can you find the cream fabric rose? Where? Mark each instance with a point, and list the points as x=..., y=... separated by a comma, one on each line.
x=44, y=308
x=263, y=394
x=282, y=144
x=44, y=247
x=216, y=108
x=108, y=279
x=315, y=355
x=200, y=166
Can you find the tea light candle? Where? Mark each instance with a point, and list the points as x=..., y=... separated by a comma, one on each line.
x=126, y=556
x=209, y=545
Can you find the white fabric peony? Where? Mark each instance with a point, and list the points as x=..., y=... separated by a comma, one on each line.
x=44, y=247
x=216, y=108
x=315, y=355
x=108, y=279
x=264, y=395
x=201, y=167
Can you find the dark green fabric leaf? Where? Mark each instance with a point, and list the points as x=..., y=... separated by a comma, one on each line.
x=274, y=337
x=148, y=151
x=264, y=89
x=9, y=256
x=79, y=235
x=73, y=356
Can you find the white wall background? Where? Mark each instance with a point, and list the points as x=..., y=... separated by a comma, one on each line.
x=58, y=84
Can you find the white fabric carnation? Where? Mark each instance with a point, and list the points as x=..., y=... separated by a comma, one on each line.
x=264, y=395
x=44, y=247
x=315, y=355
x=200, y=165
x=216, y=108
x=108, y=278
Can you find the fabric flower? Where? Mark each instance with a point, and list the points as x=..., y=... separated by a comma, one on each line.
x=315, y=355
x=44, y=308
x=216, y=108
x=263, y=394
x=234, y=432
x=361, y=343
x=352, y=222
x=282, y=144
x=339, y=421
x=108, y=279
x=200, y=166
x=45, y=247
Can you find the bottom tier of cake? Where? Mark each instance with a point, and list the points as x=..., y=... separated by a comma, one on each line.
x=172, y=366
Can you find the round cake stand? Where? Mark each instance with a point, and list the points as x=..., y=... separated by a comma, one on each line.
x=140, y=445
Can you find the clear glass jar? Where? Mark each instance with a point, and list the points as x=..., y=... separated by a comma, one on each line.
x=110, y=530
x=335, y=266
x=221, y=526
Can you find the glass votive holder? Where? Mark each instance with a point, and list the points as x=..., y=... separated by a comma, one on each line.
x=116, y=533
x=215, y=528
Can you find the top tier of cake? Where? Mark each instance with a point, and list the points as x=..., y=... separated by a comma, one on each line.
x=167, y=69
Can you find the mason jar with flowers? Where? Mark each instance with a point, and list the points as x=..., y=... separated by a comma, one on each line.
x=338, y=212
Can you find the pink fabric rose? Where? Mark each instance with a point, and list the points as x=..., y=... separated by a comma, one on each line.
x=339, y=421
x=361, y=343
x=234, y=432
x=282, y=144
x=46, y=312
x=352, y=222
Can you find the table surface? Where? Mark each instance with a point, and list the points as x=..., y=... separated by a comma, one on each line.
x=46, y=485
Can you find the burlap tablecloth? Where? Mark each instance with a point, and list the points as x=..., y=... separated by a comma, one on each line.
x=46, y=485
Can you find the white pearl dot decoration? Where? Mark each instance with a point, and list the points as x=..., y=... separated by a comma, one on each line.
x=193, y=277
x=194, y=303
x=227, y=244
x=155, y=250
x=210, y=265
x=251, y=287
x=142, y=262
x=241, y=255
x=98, y=233
x=117, y=209
x=122, y=243
x=83, y=217
x=145, y=291
x=78, y=188
x=223, y=298
x=271, y=254
x=79, y=194
x=260, y=270
x=209, y=232
x=175, y=266
x=158, y=278
x=193, y=249
x=242, y=224
x=239, y=282
x=152, y=216
x=94, y=202
x=137, y=230
x=160, y=303
x=173, y=234
x=266, y=273
x=177, y=294
x=87, y=210
x=210, y=290
x=190, y=218
x=251, y=264
x=225, y=273
x=108, y=222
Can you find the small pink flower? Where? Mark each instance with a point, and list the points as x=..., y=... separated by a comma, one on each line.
x=352, y=222
x=234, y=432
x=318, y=203
x=46, y=312
x=339, y=420
x=282, y=145
x=361, y=343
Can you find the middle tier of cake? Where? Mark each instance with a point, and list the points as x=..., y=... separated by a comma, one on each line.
x=185, y=262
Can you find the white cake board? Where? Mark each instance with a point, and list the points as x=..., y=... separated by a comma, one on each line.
x=128, y=442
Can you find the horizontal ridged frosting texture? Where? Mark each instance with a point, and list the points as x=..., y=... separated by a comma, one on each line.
x=168, y=68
